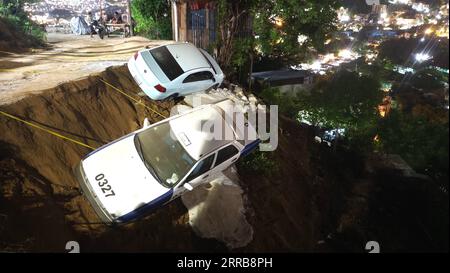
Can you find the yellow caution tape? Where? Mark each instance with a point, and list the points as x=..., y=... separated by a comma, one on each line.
x=11, y=53
x=47, y=130
x=133, y=99
x=68, y=138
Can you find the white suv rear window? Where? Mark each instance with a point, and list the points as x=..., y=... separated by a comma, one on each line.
x=167, y=62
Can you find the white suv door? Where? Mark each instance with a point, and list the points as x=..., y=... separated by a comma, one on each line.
x=195, y=82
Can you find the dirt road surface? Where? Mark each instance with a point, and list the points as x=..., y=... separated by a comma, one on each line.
x=71, y=57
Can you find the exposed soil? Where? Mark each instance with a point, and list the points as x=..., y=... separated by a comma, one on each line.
x=317, y=199
x=12, y=40
x=325, y=199
x=40, y=204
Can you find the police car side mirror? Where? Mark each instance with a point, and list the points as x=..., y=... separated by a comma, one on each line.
x=146, y=123
x=188, y=186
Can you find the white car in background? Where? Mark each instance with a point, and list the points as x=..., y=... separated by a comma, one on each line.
x=174, y=70
x=146, y=169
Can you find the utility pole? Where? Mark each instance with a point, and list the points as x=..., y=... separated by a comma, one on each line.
x=175, y=19
x=130, y=21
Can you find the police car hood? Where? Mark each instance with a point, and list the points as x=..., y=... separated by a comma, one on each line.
x=119, y=178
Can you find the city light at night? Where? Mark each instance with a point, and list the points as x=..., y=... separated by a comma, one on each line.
x=421, y=57
x=224, y=127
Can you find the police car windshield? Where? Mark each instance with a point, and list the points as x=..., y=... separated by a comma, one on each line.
x=163, y=155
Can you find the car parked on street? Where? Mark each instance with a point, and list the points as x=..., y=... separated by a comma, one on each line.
x=174, y=70
x=152, y=166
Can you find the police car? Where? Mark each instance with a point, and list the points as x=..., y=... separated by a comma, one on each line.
x=152, y=166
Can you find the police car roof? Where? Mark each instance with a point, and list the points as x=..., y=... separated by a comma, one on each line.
x=202, y=131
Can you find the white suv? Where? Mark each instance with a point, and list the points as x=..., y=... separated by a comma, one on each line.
x=174, y=70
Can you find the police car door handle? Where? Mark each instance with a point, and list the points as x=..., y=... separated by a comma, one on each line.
x=234, y=159
x=205, y=176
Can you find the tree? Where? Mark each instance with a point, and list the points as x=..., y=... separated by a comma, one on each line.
x=347, y=101
x=419, y=140
x=276, y=26
x=428, y=79
x=232, y=49
x=20, y=26
x=153, y=18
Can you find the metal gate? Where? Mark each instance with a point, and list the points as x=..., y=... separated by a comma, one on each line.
x=197, y=27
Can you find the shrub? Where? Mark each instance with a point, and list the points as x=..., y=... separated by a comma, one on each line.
x=20, y=26
x=152, y=18
x=258, y=162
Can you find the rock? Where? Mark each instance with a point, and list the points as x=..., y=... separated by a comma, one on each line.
x=216, y=210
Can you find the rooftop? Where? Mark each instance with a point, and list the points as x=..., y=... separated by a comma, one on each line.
x=281, y=77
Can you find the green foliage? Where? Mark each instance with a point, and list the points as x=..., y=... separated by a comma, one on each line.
x=429, y=79
x=288, y=104
x=259, y=162
x=346, y=101
x=18, y=22
x=313, y=19
x=421, y=143
x=242, y=49
x=382, y=69
x=153, y=18
x=349, y=100
x=233, y=45
x=5, y=9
